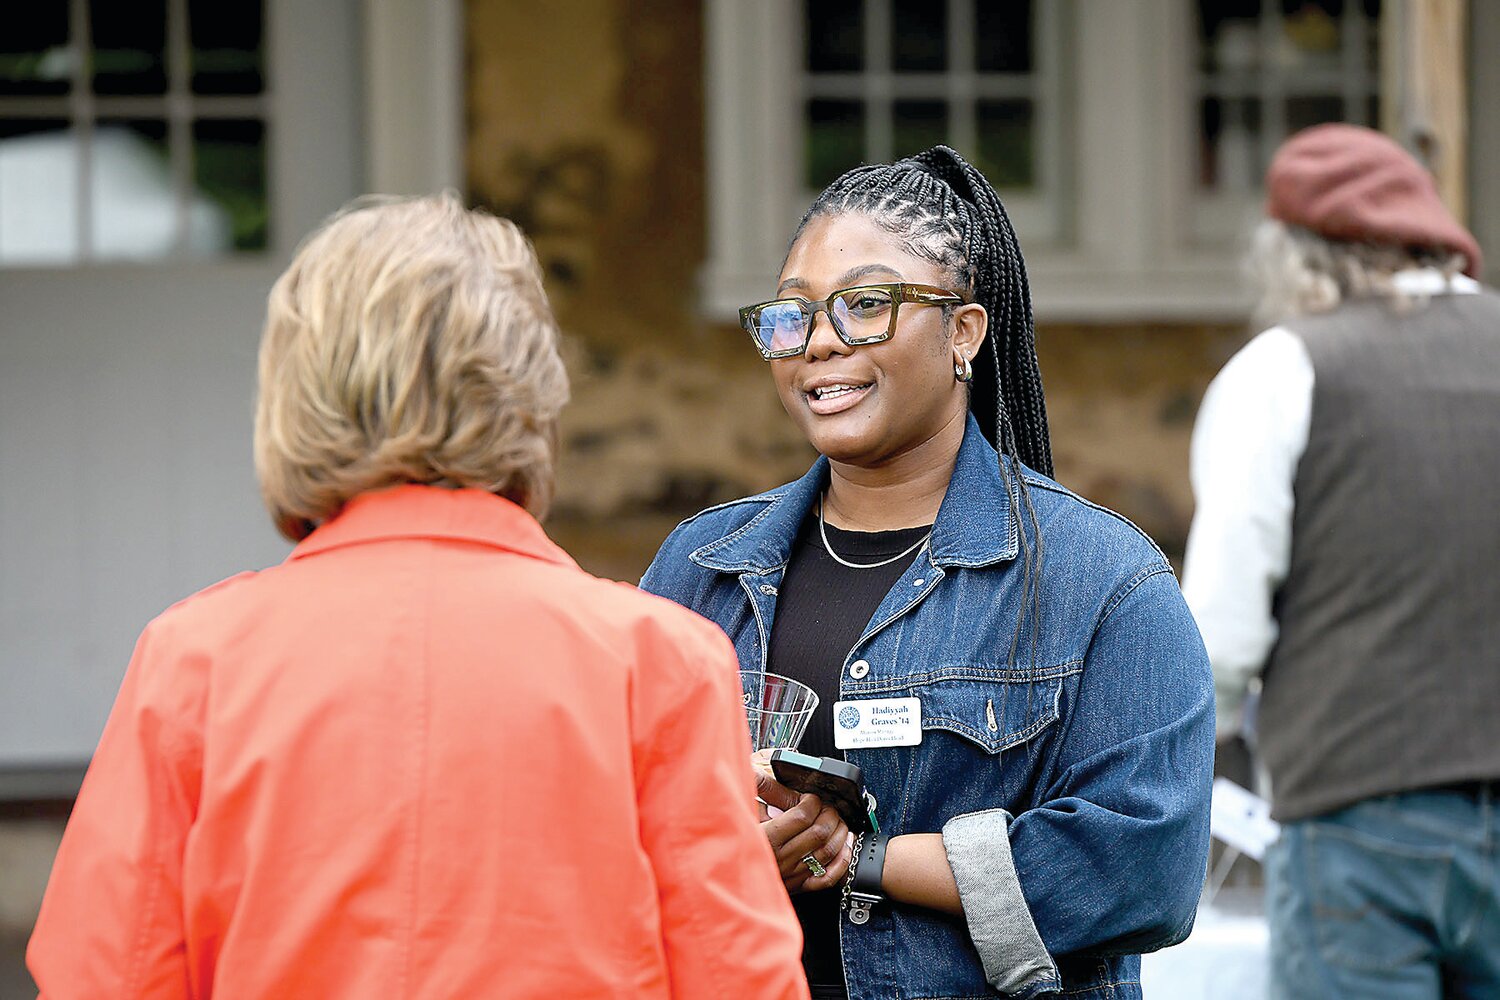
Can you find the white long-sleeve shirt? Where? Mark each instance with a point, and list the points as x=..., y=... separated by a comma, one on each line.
x=1251, y=432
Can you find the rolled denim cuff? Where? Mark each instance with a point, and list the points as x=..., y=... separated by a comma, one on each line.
x=1000, y=924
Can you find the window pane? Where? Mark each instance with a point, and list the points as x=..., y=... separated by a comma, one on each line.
x=1007, y=142
x=1308, y=49
x=130, y=41
x=133, y=205
x=1228, y=35
x=34, y=53
x=1002, y=36
x=919, y=36
x=1371, y=9
x=38, y=192
x=1302, y=112
x=1229, y=152
x=835, y=140
x=229, y=168
x=918, y=125
x=1313, y=31
x=227, y=39
x=835, y=36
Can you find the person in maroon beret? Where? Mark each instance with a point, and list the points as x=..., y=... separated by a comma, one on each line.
x=1342, y=561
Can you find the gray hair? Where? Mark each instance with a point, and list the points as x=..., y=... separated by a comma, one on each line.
x=1297, y=272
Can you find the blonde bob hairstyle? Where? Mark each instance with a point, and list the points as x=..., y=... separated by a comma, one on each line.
x=409, y=341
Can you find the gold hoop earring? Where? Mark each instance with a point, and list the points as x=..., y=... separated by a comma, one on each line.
x=963, y=371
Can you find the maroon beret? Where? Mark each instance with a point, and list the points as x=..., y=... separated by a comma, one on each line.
x=1346, y=182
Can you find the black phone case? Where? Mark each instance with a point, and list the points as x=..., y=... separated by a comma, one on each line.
x=838, y=783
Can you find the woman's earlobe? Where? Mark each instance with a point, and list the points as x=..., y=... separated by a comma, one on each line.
x=963, y=370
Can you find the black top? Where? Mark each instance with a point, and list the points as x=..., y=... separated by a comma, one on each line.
x=822, y=611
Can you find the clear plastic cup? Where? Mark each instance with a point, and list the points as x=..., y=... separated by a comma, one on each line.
x=777, y=708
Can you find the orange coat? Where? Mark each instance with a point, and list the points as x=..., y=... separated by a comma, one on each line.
x=425, y=757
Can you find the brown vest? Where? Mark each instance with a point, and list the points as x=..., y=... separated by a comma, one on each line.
x=1386, y=674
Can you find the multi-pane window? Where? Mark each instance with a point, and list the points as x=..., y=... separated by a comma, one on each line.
x=1128, y=138
x=882, y=79
x=133, y=129
x=1265, y=69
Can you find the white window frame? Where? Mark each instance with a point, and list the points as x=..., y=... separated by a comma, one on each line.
x=179, y=107
x=413, y=100
x=879, y=87
x=1219, y=217
x=414, y=95
x=1132, y=254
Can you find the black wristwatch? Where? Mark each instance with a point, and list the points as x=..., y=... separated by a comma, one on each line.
x=864, y=889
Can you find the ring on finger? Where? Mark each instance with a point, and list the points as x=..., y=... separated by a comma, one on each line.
x=815, y=866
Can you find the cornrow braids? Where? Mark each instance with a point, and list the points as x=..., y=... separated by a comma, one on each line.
x=944, y=210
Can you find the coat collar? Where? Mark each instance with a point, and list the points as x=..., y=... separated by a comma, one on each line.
x=433, y=512
x=975, y=525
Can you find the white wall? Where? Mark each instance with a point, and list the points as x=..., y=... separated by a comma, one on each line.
x=125, y=481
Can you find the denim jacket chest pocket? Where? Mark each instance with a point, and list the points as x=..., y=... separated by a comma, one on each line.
x=984, y=734
x=993, y=708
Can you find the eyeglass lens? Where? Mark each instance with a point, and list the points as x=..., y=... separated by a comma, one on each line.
x=859, y=314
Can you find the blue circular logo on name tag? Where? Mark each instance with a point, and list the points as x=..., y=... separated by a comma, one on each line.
x=849, y=717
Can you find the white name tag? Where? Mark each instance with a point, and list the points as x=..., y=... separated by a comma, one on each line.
x=877, y=722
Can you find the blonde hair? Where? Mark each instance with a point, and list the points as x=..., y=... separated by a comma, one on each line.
x=409, y=341
x=1298, y=272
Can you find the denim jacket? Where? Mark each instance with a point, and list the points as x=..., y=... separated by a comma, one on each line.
x=1071, y=788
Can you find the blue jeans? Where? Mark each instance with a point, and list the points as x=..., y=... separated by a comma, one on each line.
x=1395, y=897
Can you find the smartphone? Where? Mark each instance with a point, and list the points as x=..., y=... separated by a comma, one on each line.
x=838, y=783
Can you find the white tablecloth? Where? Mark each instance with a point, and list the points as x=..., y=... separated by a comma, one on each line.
x=1223, y=959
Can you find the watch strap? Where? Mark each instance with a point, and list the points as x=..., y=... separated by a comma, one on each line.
x=865, y=891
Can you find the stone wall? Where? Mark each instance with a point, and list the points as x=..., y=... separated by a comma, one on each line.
x=1122, y=400
x=586, y=126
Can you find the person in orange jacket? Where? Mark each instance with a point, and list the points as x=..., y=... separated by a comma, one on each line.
x=427, y=756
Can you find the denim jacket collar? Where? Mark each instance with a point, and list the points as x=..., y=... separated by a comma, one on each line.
x=974, y=527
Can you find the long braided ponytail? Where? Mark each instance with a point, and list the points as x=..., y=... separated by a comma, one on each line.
x=1000, y=285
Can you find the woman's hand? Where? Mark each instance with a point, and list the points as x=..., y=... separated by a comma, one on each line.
x=799, y=825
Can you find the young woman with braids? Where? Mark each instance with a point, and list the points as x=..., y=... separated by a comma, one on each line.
x=1052, y=821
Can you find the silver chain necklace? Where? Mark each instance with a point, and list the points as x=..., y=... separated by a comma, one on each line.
x=823, y=532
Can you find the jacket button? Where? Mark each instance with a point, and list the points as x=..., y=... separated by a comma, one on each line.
x=767, y=589
x=858, y=669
